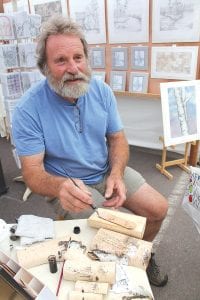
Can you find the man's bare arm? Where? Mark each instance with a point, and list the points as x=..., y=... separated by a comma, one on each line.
x=41, y=182
x=118, y=153
x=118, y=157
x=37, y=179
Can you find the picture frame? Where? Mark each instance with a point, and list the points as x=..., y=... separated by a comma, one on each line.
x=139, y=57
x=180, y=109
x=176, y=22
x=138, y=82
x=119, y=58
x=97, y=57
x=6, y=27
x=173, y=62
x=124, y=26
x=48, y=8
x=8, y=56
x=118, y=80
x=90, y=15
x=100, y=75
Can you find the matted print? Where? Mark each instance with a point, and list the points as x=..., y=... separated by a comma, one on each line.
x=48, y=8
x=6, y=27
x=8, y=56
x=22, y=5
x=26, y=25
x=174, y=62
x=118, y=80
x=119, y=58
x=139, y=57
x=97, y=57
x=175, y=21
x=100, y=75
x=128, y=21
x=180, y=109
x=90, y=15
x=11, y=84
x=138, y=82
x=27, y=55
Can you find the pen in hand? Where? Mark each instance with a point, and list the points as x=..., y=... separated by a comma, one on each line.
x=74, y=182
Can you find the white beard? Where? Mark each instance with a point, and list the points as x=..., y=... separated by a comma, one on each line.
x=67, y=90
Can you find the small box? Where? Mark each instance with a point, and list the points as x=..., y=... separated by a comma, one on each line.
x=23, y=281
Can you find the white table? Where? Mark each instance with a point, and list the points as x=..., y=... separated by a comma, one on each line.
x=63, y=228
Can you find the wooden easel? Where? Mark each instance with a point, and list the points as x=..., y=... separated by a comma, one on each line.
x=182, y=162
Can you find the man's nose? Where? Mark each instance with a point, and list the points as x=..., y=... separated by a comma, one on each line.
x=72, y=67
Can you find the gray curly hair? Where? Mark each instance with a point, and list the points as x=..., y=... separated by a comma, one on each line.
x=56, y=25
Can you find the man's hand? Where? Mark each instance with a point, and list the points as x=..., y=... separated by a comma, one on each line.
x=74, y=198
x=115, y=192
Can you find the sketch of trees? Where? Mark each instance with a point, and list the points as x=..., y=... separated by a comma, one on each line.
x=180, y=109
x=137, y=84
x=118, y=80
x=8, y=56
x=128, y=21
x=181, y=99
x=90, y=14
x=97, y=57
x=26, y=25
x=175, y=14
x=89, y=17
x=175, y=20
x=46, y=10
x=6, y=27
x=124, y=19
x=139, y=58
x=27, y=56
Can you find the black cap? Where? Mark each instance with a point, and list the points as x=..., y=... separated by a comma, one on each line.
x=76, y=230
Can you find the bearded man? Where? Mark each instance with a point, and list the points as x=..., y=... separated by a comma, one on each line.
x=70, y=139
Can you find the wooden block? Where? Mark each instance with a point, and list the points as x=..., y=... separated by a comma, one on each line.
x=37, y=254
x=89, y=271
x=138, y=222
x=135, y=251
x=75, y=254
x=92, y=287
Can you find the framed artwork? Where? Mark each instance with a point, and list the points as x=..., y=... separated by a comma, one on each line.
x=174, y=62
x=118, y=80
x=48, y=8
x=27, y=55
x=138, y=82
x=26, y=25
x=119, y=58
x=6, y=27
x=22, y=5
x=90, y=15
x=100, y=75
x=97, y=57
x=175, y=21
x=8, y=56
x=180, y=109
x=11, y=84
x=30, y=78
x=139, y=57
x=128, y=21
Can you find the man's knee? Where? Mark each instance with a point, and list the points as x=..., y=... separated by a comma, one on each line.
x=162, y=209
